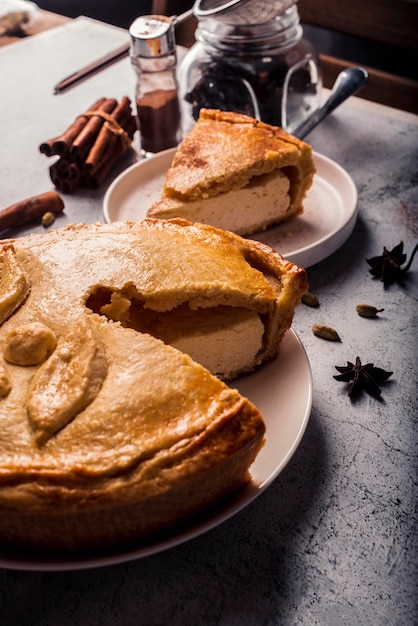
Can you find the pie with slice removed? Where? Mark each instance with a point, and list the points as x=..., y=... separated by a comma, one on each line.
x=115, y=425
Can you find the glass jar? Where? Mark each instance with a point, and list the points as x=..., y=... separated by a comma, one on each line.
x=267, y=70
x=153, y=57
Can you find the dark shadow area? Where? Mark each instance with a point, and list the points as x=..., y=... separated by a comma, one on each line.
x=120, y=13
x=380, y=56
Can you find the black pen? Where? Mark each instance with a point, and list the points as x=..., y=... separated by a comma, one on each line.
x=92, y=68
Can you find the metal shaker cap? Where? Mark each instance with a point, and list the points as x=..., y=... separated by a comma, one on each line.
x=152, y=36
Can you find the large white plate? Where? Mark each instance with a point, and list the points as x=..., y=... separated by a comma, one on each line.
x=282, y=390
x=330, y=209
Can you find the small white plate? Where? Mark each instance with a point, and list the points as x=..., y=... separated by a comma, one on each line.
x=282, y=390
x=330, y=208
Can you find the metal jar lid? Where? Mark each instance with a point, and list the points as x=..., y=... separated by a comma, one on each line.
x=152, y=36
x=241, y=11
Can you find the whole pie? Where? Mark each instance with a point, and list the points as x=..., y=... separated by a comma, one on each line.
x=115, y=423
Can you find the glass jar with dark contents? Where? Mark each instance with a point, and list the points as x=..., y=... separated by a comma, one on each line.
x=267, y=70
x=153, y=57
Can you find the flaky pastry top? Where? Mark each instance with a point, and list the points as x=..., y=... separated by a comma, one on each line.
x=225, y=150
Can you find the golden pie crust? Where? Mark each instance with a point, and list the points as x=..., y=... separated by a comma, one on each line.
x=107, y=434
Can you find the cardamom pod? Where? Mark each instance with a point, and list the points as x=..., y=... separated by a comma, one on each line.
x=367, y=310
x=325, y=332
x=48, y=219
x=310, y=299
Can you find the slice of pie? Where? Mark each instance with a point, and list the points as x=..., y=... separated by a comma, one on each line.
x=110, y=432
x=236, y=173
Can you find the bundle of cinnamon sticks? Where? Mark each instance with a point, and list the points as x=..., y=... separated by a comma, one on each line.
x=91, y=145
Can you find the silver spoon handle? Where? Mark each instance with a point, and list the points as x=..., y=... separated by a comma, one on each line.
x=348, y=82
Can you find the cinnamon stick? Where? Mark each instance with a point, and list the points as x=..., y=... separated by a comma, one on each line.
x=65, y=175
x=114, y=150
x=83, y=143
x=107, y=136
x=110, y=149
x=30, y=209
x=61, y=144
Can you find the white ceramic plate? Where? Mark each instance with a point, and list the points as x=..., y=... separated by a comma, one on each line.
x=282, y=390
x=330, y=209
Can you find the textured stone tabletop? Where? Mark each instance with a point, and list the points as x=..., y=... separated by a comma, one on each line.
x=334, y=539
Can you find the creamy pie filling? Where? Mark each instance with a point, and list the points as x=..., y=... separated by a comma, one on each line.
x=264, y=200
x=224, y=339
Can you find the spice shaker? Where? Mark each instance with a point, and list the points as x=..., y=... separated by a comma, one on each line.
x=153, y=57
x=264, y=68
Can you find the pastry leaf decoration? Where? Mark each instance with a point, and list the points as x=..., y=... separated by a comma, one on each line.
x=66, y=383
x=5, y=382
x=14, y=286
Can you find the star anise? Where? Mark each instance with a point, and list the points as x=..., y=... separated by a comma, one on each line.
x=387, y=267
x=365, y=377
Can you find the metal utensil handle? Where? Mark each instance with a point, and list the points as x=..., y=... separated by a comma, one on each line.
x=348, y=82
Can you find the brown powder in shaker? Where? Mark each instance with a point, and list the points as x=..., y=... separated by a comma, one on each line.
x=159, y=119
